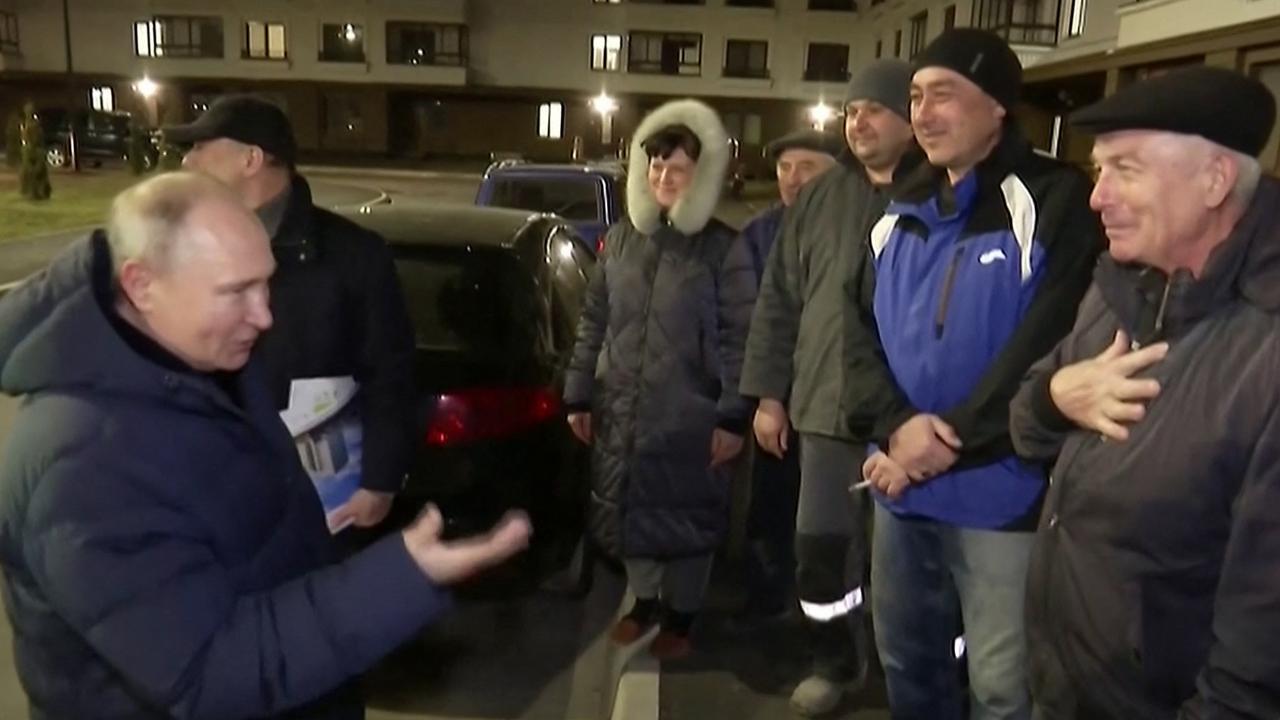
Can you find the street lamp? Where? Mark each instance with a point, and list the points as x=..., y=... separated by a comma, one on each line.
x=606, y=107
x=146, y=87
x=820, y=115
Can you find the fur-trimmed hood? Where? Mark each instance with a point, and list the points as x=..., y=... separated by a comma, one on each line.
x=692, y=211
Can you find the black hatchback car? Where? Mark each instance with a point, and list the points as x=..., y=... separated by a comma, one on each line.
x=494, y=296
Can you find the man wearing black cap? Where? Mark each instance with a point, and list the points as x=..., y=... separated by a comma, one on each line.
x=799, y=158
x=795, y=365
x=335, y=295
x=1155, y=581
x=980, y=262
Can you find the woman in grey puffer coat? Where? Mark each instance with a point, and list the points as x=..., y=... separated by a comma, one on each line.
x=653, y=382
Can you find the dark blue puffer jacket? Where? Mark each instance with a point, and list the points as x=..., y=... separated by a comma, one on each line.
x=163, y=551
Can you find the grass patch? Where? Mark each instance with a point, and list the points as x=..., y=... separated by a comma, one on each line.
x=78, y=200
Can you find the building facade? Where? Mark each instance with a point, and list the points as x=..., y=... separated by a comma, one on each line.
x=548, y=78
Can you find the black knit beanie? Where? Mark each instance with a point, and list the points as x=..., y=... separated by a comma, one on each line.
x=982, y=57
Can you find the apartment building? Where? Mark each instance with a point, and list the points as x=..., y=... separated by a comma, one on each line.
x=430, y=78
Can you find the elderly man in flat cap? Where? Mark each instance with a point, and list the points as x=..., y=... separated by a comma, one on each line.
x=1155, y=582
x=799, y=158
x=795, y=366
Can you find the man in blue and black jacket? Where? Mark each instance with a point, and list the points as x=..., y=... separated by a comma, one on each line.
x=980, y=263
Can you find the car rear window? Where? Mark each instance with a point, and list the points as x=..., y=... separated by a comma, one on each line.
x=570, y=198
x=479, y=301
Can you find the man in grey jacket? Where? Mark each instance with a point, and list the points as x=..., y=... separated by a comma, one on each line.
x=1154, y=589
x=795, y=366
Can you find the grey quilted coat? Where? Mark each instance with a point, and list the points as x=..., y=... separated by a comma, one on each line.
x=658, y=356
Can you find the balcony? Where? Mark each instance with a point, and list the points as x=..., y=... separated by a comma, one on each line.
x=1020, y=22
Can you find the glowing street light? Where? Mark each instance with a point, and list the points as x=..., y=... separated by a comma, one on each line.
x=146, y=87
x=604, y=104
x=349, y=32
x=820, y=115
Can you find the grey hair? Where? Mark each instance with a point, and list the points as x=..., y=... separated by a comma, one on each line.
x=146, y=221
x=1248, y=175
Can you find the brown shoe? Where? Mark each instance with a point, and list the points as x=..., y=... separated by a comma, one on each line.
x=633, y=626
x=670, y=645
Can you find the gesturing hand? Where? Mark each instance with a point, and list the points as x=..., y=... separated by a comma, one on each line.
x=1101, y=394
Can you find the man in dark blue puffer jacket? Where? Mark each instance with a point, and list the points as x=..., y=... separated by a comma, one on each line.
x=164, y=553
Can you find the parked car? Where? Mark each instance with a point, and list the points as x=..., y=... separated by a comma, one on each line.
x=591, y=196
x=100, y=136
x=494, y=296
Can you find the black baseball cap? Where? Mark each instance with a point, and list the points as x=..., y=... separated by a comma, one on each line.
x=244, y=118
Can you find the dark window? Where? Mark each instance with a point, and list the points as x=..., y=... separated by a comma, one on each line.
x=827, y=62
x=8, y=33
x=949, y=17
x=919, y=25
x=842, y=5
x=749, y=3
x=876, y=2
x=1020, y=22
x=897, y=43
x=670, y=2
x=664, y=53
x=571, y=198
x=342, y=42
x=264, y=41
x=410, y=43
x=879, y=48
x=178, y=36
x=481, y=302
x=746, y=59
x=343, y=120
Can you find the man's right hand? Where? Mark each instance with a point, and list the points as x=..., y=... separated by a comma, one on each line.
x=1101, y=394
x=580, y=424
x=924, y=446
x=450, y=562
x=771, y=426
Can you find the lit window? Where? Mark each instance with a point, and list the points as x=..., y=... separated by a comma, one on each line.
x=102, y=98
x=606, y=52
x=551, y=120
x=1076, y=25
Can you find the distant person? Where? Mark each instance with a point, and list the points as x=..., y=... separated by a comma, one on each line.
x=795, y=365
x=164, y=553
x=1155, y=579
x=338, y=306
x=653, y=380
x=799, y=158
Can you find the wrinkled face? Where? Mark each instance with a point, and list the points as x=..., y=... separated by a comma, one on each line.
x=1154, y=195
x=877, y=135
x=223, y=159
x=955, y=122
x=208, y=303
x=670, y=177
x=796, y=167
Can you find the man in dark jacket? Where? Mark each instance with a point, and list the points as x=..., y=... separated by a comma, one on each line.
x=799, y=158
x=794, y=363
x=1155, y=580
x=980, y=262
x=164, y=553
x=339, y=310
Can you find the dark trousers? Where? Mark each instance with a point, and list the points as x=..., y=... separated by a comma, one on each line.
x=771, y=529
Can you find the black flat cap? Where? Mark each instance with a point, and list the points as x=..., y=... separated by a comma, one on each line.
x=1217, y=104
x=805, y=140
x=244, y=118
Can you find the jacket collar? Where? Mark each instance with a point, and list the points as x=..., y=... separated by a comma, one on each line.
x=926, y=181
x=294, y=242
x=1246, y=266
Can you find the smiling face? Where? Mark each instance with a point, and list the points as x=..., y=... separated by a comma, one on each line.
x=877, y=135
x=670, y=177
x=956, y=123
x=1156, y=195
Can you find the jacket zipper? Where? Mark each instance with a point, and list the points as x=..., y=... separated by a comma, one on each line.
x=948, y=285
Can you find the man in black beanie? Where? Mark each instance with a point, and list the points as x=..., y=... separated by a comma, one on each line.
x=795, y=365
x=1155, y=581
x=980, y=262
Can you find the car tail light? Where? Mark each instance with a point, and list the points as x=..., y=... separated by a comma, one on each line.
x=600, y=243
x=473, y=414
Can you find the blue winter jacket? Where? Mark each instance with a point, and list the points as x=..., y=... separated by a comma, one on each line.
x=164, y=553
x=973, y=283
x=760, y=233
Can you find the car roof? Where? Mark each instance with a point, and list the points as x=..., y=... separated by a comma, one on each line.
x=421, y=224
x=554, y=169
